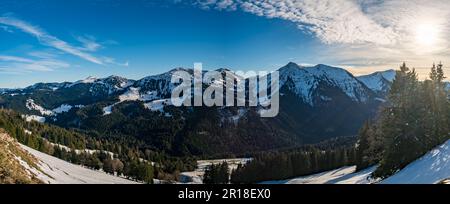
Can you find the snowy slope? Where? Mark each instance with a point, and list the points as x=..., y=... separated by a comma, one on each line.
x=57, y=171
x=306, y=81
x=432, y=168
x=378, y=81
x=161, y=84
x=344, y=175
x=31, y=105
x=150, y=90
x=36, y=118
x=112, y=83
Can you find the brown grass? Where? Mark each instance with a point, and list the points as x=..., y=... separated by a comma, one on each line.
x=11, y=171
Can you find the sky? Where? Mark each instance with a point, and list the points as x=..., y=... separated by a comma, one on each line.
x=55, y=41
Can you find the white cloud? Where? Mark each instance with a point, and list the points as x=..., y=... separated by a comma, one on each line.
x=6, y=58
x=43, y=54
x=14, y=64
x=362, y=33
x=226, y=4
x=88, y=43
x=114, y=62
x=218, y=4
x=332, y=21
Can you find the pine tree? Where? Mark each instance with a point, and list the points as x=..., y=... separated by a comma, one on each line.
x=442, y=105
x=217, y=174
x=400, y=123
x=363, y=145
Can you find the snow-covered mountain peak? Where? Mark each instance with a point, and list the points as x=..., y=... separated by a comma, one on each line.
x=107, y=85
x=332, y=73
x=223, y=70
x=89, y=79
x=46, y=86
x=164, y=76
x=117, y=81
x=306, y=80
x=116, y=78
x=160, y=84
x=293, y=65
x=378, y=81
x=389, y=74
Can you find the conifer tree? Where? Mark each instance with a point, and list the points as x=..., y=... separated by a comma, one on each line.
x=363, y=145
x=401, y=124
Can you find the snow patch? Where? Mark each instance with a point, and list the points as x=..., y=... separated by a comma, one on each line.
x=344, y=175
x=57, y=171
x=381, y=100
x=432, y=168
x=158, y=105
x=107, y=110
x=36, y=118
x=196, y=177
x=31, y=105
x=133, y=94
x=27, y=132
x=88, y=80
x=61, y=109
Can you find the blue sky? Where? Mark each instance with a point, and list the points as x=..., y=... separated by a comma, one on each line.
x=53, y=40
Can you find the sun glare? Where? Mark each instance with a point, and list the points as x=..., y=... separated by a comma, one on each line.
x=427, y=34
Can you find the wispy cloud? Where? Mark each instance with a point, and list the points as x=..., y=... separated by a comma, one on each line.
x=6, y=58
x=370, y=32
x=345, y=21
x=89, y=43
x=218, y=4
x=43, y=54
x=84, y=51
x=332, y=21
x=14, y=64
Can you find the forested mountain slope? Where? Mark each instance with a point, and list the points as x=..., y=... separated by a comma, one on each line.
x=317, y=103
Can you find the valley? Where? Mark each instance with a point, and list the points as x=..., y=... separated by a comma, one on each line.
x=311, y=97
x=129, y=128
x=224, y=100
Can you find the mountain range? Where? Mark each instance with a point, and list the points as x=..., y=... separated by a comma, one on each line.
x=317, y=103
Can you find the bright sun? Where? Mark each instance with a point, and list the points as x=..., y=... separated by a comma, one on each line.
x=427, y=34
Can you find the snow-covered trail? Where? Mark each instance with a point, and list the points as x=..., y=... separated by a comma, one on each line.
x=344, y=175
x=432, y=168
x=57, y=171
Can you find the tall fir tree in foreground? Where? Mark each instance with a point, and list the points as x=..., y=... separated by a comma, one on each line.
x=440, y=104
x=414, y=121
x=400, y=123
